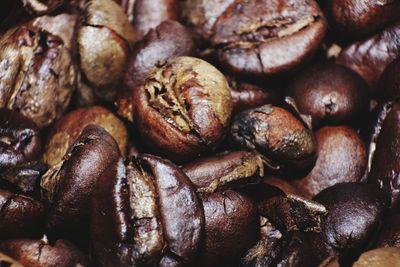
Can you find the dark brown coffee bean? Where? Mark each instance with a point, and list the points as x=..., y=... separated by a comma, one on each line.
x=355, y=211
x=253, y=37
x=38, y=253
x=385, y=166
x=231, y=227
x=390, y=232
x=19, y=139
x=330, y=93
x=389, y=84
x=183, y=109
x=379, y=257
x=146, y=212
x=24, y=177
x=38, y=75
x=105, y=40
x=246, y=95
x=68, y=128
x=342, y=157
x=20, y=216
x=170, y=39
x=225, y=171
x=8, y=262
x=370, y=56
x=68, y=186
x=353, y=18
x=148, y=15
x=277, y=134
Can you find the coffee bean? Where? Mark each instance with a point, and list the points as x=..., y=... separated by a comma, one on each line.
x=342, y=157
x=330, y=93
x=20, y=216
x=170, y=39
x=183, y=109
x=277, y=134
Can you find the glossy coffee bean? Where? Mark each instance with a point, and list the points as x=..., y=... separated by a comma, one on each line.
x=379, y=257
x=20, y=216
x=277, y=134
x=69, y=127
x=353, y=18
x=224, y=171
x=231, y=227
x=370, y=56
x=389, y=235
x=38, y=85
x=168, y=40
x=355, y=212
x=389, y=84
x=254, y=37
x=183, y=109
x=342, y=157
x=68, y=186
x=330, y=93
x=385, y=165
x=38, y=253
x=145, y=212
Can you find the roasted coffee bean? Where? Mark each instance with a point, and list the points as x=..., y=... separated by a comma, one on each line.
x=277, y=134
x=105, y=40
x=68, y=128
x=24, y=177
x=390, y=232
x=6, y=261
x=183, y=109
x=369, y=57
x=379, y=257
x=385, y=166
x=355, y=211
x=389, y=84
x=330, y=93
x=68, y=186
x=170, y=39
x=352, y=18
x=38, y=253
x=255, y=37
x=145, y=212
x=231, y=227
x=225, y=171
x=19, y=139
x=246, y=95
x=20, y=216
x=38, y=74
x=342, y=157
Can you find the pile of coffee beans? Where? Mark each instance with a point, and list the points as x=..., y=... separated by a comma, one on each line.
x=204, y=133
